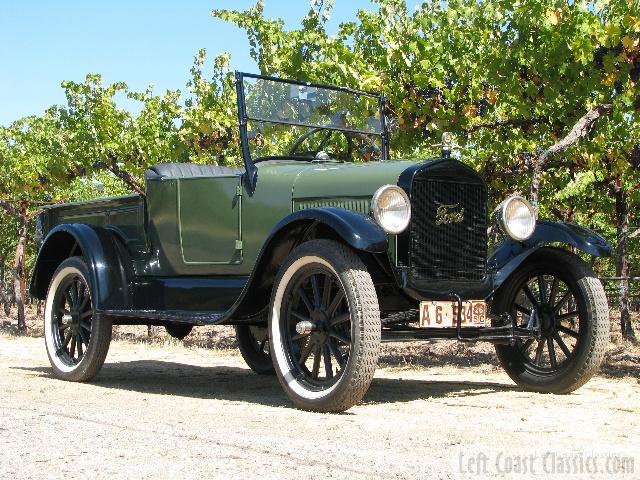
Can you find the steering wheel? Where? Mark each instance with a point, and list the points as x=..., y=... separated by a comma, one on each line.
x=293, y=151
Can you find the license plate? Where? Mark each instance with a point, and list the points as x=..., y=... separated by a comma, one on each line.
x=445, y=314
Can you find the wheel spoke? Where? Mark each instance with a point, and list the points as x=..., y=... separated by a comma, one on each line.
x=333, y=346
x=316, y=362
x=335, y=302
x=79, y=290
x=326, y=291
x=345, y=317
x=302, y=318
x=63, y=311
x=306, y=351
x=568, y=331
x=67, y=337
x=305, y=300
x=86, y=314
x=328, y=368
x=542, y=288
x=74, y=293
x=530, y=296
x=554, y=291
x=316, y=291
x=63, y=326
x=261, y=346
x=86, y=326
x=339, y=336
x=565, y=298
x=552, y=353
x=564, y=316
x=539, y=350
x=85, y=298
x=561, y=344
x=72, y=347
x=79, y=345
x=78, y=285
x=83, y=337
x=67, y=299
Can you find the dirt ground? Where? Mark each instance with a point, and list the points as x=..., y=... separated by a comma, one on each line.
x=167, y=409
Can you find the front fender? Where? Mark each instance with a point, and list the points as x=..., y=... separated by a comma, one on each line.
x=359, y=231
x=510, y=254
x=105, y=258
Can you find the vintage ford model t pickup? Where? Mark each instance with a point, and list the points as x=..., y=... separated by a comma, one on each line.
x=318, y=249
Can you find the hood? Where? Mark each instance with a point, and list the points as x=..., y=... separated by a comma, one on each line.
x=348, y=179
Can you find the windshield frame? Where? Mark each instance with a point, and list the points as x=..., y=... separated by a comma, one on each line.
x=244, y=118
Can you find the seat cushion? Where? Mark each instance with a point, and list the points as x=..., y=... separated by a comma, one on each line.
x=188, y=170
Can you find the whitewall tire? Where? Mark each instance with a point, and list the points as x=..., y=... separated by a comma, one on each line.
x=324, y=326
x=77, y=339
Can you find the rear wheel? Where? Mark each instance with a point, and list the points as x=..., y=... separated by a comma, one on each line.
x=560, y=292
x=253, y=342
x=324, y=326
x=77, y=339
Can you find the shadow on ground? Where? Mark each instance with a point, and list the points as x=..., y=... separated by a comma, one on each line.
x=241, y=384
x=397, y=358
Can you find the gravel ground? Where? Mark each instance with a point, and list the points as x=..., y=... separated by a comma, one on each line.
x=166, y=411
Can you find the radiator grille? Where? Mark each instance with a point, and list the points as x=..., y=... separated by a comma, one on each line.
x=450, y=244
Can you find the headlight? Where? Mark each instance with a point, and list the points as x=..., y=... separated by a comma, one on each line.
x=517, y=218
x=391, y=208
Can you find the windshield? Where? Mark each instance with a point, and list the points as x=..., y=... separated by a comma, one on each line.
x=303, y=121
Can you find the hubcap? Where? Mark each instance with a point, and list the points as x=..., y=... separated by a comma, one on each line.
x=304, y=328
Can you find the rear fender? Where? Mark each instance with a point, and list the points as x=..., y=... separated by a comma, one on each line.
x=510, y=254
x=106, y=258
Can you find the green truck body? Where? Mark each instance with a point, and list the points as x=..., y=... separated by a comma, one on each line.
x=317, y=253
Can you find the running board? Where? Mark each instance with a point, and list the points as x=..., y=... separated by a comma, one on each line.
x=192, y=317
x=503, y=334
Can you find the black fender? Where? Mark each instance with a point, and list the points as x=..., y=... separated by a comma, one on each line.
x=508, y=256
x=359, y=231
x=362, y=233
x=107, y=260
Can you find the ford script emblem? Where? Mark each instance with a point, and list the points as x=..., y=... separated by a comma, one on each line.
x=449, y=214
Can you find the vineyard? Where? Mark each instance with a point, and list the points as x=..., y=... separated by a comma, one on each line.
x=543, y=98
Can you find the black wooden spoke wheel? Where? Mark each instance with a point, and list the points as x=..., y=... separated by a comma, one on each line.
x=253, y=343
x=559, y=293
x=325, y=326
x=77, y=340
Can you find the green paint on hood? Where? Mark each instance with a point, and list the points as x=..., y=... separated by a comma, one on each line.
x=348, y=179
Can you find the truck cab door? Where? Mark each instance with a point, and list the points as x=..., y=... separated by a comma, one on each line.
x=209, y=219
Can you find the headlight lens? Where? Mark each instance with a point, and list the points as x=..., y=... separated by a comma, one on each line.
x=391, y=208
x=517, y=218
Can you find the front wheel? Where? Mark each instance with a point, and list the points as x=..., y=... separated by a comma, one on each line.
x=324, y=326
x=559, y=292
x=77, y=339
